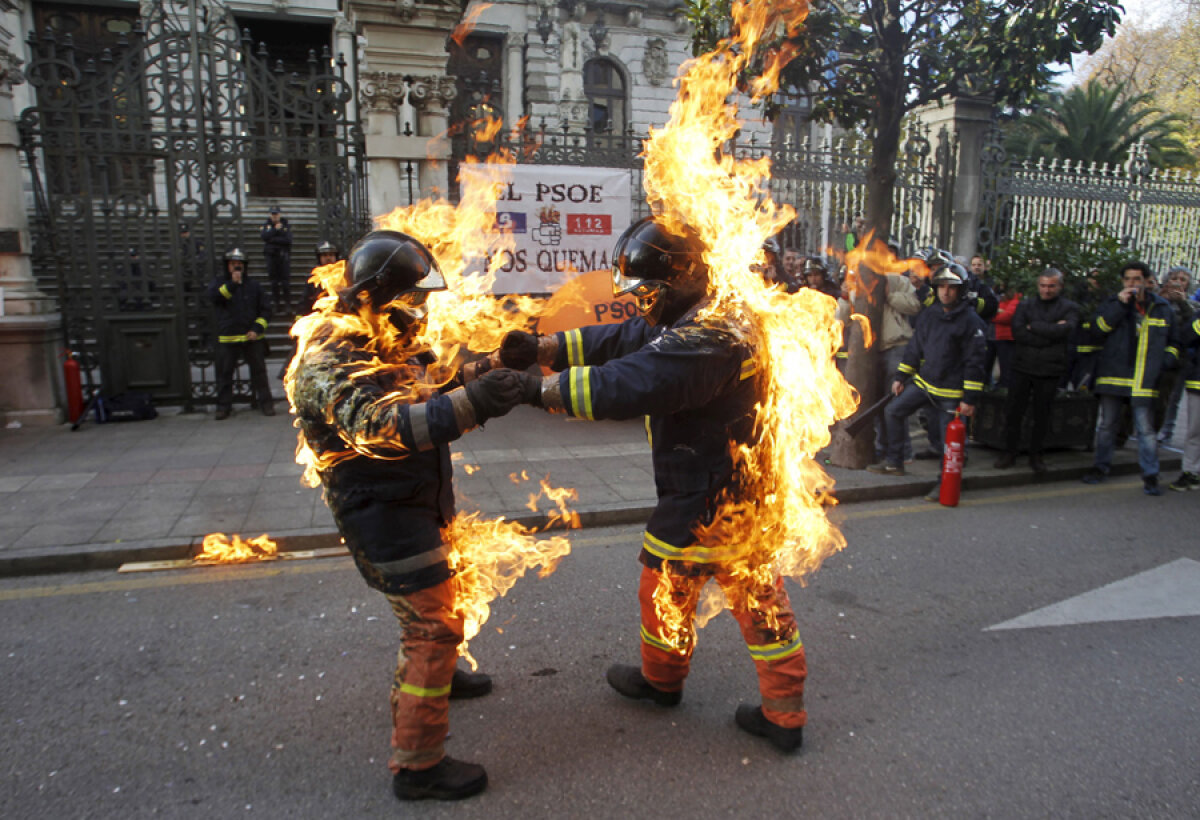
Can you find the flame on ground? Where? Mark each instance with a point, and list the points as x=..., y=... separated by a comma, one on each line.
x=218, y=548
x=778, y=524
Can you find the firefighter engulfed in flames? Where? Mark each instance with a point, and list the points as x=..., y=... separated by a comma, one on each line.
x=378, y=422
x=696, y=375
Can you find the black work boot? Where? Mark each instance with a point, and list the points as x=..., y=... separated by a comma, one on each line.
x=751, y=719
x=629, y=682
x=450, y=779
x=466, y=685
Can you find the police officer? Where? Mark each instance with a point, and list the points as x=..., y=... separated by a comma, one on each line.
x=380, y=434
x=277, y=247
x=242, y=314
x=695, y=378
x=944, y=361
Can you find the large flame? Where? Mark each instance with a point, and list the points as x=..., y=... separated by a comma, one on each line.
x=779, y=523
x=487, y=556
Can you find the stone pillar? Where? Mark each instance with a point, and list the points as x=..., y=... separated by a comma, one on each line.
x=514, y=79
x=30, y=329
x=969, y=118
x=572, y=105
x=380, y=93
x=345, y=45
x=431, y=97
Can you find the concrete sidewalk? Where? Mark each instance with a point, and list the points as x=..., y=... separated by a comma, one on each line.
x=140, y=491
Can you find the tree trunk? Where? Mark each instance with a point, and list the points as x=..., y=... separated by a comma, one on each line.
x=862, y=364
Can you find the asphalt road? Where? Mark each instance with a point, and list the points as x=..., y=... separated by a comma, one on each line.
x=236, y=692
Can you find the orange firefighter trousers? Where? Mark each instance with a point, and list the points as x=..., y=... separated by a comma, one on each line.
x=768, y=627
x=421, y=688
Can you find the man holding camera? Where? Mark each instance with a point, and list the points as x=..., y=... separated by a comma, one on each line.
x=1139, y=333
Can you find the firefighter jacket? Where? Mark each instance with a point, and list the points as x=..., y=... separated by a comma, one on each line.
x=947, y=354
x=1139, y=340
x=239, y=309
x=387, y=477
x=277, y=239
x=696, y=383
x=1042, y=331
x=1190, y=351
x=979, y=295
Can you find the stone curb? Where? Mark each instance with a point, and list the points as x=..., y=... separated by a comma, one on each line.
x=83, y=557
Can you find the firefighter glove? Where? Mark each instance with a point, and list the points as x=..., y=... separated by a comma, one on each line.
x=531, y=389
x=494, y=394
x=519, y=350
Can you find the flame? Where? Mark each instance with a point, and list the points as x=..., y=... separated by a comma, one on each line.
x=778, y=521
x=219, y=549
x=487, y=556
x=468, y=24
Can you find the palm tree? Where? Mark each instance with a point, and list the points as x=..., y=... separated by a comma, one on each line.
x=1101, y=123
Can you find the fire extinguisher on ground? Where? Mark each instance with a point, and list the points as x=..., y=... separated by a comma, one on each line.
x=73, y=386
x=952, y=461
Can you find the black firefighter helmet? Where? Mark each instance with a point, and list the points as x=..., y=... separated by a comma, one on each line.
x=662, y=270
x=324, y=247
x=389, y=266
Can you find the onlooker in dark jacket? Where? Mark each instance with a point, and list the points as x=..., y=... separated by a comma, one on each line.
x=277, y=246
x=1041, y=328
x=1170, y=387
x=1139, y=334
x=1189, y=479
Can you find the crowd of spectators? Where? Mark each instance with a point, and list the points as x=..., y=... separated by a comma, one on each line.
x=949, y=332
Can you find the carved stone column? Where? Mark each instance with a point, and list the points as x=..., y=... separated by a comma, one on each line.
x=30, y=330
x=431, y=97
x=572, y=104
x=514, y=78
x=380, y=94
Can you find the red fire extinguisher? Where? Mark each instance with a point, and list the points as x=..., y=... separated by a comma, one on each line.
x=74, y=387
x=952, y=462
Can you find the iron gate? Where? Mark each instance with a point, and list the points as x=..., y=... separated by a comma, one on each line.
x=162, y=129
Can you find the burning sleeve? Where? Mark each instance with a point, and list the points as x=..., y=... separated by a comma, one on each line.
x=669, y=375
x=384, y=425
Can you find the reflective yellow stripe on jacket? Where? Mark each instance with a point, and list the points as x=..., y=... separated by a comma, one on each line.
x=574, y=342
x=579, y=384
x=695, y=554
x=940, y=392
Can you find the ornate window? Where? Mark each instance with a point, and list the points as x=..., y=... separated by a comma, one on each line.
x=604, y=87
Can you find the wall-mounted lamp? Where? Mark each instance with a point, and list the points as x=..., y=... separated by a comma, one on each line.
x=544, y=25
x=599, y=31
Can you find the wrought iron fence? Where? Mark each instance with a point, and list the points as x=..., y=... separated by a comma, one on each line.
x=1154, y=212
x=171, y=126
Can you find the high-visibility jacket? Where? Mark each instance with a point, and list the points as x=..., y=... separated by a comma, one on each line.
x=947, y=353
x=1139, y=340
x=696, y=381
x=1189, y=348
x=239, y=309
x=389, y=486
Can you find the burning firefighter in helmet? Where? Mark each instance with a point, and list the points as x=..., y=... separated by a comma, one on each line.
x=696, y=380
x=242, y=314
x=380, y=435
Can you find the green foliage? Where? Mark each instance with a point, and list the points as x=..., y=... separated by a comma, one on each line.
x=1101, y=123
x=1076, y=250
x=879, y=58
